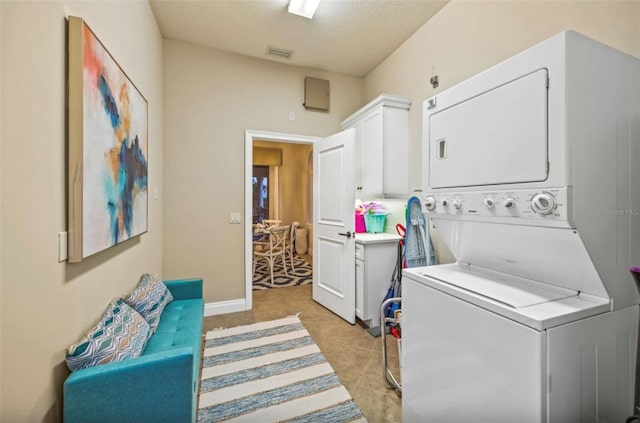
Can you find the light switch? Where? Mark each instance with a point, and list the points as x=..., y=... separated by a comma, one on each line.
x=234, y=217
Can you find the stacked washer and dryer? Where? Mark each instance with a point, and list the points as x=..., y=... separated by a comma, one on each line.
x=532, y=178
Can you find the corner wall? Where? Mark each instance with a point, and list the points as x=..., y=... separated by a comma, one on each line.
x=466, y=37
x=46, y=305
x=211, y=98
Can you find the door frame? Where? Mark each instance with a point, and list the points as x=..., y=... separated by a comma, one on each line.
x=250, y=136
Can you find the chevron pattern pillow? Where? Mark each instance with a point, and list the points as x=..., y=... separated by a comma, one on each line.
x=149, y=299
x=121, y=333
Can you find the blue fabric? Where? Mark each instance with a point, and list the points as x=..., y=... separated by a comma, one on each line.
x=184, y=289
x=418, y=250
x=159, y=386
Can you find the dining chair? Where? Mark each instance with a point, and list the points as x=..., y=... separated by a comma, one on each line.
x=291, y=243
x=261, y=233
x=271, y=222
x=260, y=236
x=276, y=249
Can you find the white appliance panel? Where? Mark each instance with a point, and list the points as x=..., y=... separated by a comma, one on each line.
x=503, y=139
x=506, y=289
x=530, y=303
x=550, y=255
x=592, y=367
x=462, y=363
x=520, y=207
x=531, y=184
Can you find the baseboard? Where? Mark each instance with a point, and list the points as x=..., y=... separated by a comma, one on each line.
x=223, y=307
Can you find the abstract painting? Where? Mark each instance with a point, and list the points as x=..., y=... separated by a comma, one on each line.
x=108, y=143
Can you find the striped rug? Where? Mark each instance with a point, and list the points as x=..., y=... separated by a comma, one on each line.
x=270, y=372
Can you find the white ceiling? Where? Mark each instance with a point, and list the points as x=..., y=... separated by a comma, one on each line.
x=345, y=36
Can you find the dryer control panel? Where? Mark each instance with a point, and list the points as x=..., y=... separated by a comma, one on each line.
x=548, y=207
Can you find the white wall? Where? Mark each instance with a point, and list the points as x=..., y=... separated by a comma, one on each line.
x=211, y=98
x=467, y=37
x=46, y=305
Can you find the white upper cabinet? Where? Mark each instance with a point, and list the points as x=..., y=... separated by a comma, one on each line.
x=382, y=147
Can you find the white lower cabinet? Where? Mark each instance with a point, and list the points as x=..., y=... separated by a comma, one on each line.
x=376, y=256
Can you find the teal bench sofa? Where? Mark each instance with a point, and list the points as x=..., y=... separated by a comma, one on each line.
x=161, y=385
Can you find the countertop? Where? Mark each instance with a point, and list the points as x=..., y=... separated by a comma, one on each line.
x=367, y=238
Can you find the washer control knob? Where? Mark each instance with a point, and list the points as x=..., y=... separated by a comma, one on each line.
x=489, y=203
x=445, y=203
x=430, y=203
x=457, y=204
x=509, y=203
x=543, y=203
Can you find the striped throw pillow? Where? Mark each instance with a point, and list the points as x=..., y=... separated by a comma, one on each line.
x=122, y=333
x=149, y=299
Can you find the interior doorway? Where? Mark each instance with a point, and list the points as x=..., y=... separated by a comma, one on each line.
x=250, y=137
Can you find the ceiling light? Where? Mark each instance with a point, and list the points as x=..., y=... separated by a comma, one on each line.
x=304, y=8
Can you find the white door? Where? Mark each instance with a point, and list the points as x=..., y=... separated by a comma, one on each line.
x=333, y=224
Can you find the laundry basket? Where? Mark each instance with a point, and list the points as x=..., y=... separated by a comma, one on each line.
x=375, y=222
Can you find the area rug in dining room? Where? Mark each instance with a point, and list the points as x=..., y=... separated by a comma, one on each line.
x=301, y=275
x=270, y=372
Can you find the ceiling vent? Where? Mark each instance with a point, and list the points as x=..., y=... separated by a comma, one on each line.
x=280, y=52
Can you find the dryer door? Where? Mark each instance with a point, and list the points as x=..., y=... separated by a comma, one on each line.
x=497, y=137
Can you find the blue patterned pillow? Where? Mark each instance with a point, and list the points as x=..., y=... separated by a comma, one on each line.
x=149, y=299
x=121, y=333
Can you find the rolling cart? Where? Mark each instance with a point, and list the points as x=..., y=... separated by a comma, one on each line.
x=395, y=322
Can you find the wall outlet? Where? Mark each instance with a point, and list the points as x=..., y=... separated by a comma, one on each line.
x=234, y=217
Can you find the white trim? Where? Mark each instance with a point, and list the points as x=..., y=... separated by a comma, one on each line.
x=249, y=136
x=223, y=307
x=383, y=99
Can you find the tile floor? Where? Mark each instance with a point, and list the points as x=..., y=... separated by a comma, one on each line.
x=355, y=355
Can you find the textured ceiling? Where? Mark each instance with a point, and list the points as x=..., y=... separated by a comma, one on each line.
x=345, y=36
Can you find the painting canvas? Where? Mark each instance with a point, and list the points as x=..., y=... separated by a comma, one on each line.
x=108, y=143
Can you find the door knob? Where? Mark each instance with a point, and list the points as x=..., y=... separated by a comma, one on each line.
x=348, y=234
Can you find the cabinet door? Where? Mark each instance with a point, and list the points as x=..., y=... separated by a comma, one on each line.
x=372, y=154
x=360, y=288
x=359, y=158
x=396, y=151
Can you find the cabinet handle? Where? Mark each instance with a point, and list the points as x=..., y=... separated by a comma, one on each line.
x=348, y=234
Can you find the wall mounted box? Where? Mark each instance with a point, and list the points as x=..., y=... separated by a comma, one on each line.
x=316, y=94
